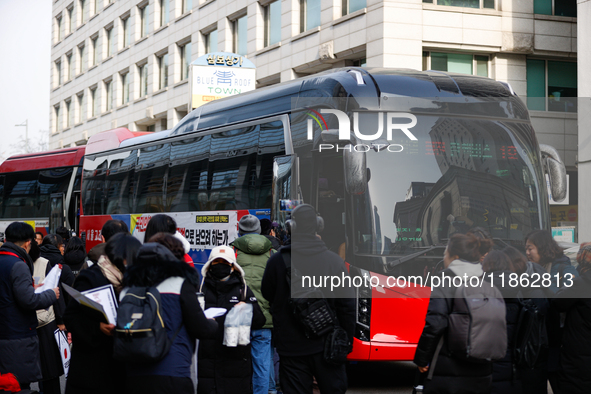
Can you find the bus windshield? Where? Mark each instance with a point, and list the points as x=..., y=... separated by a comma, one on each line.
x=460, y=173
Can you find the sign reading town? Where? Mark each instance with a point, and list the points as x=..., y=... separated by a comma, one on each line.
x=220, y=74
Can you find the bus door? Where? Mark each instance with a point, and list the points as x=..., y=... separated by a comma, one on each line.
x=57, y=214
x=330, y=200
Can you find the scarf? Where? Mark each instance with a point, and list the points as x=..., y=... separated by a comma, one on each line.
x=112, y=273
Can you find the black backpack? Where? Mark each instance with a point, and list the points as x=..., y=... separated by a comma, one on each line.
x=529, y=335
x=308, y=305
x=140, y=335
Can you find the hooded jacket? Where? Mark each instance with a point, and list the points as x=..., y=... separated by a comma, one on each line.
x=310, y=256
x=75, y=259
x=451, y=374
x=19, y=345
x=575, y=355
x=222, y=369
x=156, y=266
x=252, y=253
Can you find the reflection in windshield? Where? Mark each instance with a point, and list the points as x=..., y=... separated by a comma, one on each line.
x=460, y=173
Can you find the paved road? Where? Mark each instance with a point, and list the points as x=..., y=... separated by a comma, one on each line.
x=381, y=377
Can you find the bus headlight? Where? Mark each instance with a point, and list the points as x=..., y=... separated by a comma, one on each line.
x=363, y=310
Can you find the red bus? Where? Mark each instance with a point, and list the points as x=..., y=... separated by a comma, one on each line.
x=455, y=152
x=43, y=188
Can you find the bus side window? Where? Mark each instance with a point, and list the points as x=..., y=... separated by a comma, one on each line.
x=21, y=195
x=186, y=184
x=119, y=182
x=149, y=178
x=93, y=183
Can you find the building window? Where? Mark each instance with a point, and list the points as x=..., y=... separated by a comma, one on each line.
x=58, y=26
x=93, y=103
x=163, y=20
x=70, y=18
x=464, y=3
x=109, y=41
x=94, y=45
x=126, y=31
x=273, y=23
x=82, y=58
x=143, y=80
x=68, y=114
x=163, y=71
x=240, y=32
x=144, y=20
x=556, y=7
x=108, y=95
x=211, y=41
x=186, y=5
x=95, y=7
x=309, y=14
x=81, y=113
x=83, y=4
x=185, y=52
x=551, y=85
x=70, y=66
x=360, y=63
x=350, y=6
x=58, y=73
x=124, y=88
x=58, y=120
x=456, y=62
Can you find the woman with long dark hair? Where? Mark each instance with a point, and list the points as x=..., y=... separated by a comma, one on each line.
x=575, y=301
x=92, y=367
x=75, y=254
x=542, y=249
x=452, y=374
x=165, y=224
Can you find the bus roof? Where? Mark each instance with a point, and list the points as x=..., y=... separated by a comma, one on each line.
x=66, y=157
x=349, y=82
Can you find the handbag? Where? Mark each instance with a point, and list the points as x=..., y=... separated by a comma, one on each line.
x=337, y=346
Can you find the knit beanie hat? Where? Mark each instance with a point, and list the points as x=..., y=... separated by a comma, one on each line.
x=249, y=224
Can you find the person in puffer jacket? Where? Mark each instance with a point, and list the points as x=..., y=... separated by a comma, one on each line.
x=451, y=374
x=223, y=369
x=177, y=283
x=252, y=252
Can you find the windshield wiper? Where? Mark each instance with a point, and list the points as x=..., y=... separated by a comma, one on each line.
x=393, y=263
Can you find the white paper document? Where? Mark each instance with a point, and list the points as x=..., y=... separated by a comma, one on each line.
x=210, y=313
x=51, y=280
x=101, y=299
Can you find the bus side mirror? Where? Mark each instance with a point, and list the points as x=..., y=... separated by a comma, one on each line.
x=556, y=171
x=355, y=170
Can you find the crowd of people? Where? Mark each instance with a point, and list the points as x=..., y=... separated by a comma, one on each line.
x=563, y=304
x=252, y=271
x=247, y=272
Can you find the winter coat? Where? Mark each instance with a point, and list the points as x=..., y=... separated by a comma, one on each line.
x=505, y=379
x=180, y=311
x=222, y=369
x=92, y=367
x=310, y=256
x=451, y=374
x=96, y=252
x=575, y=355
x=19, y=344
x=274, y=241
x=75, y=259
x=252, y=253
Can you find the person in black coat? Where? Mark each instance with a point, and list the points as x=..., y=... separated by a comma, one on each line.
x=50, y=249
x=452, y=374
x=575, y=355
x=75, y=255
x=92, y=367
x=301, y=358
x=223, y=369
x=505, y=378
